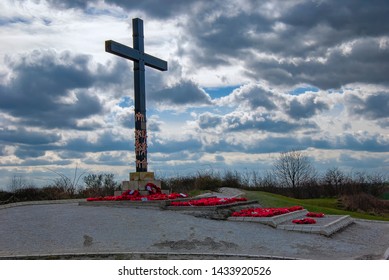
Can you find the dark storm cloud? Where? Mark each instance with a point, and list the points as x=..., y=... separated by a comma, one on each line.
x=14, y=20
x=269, y=144
x=153, y=8
x=108, y=159
x=24, y=152
x=51, y=90
x=225, y=38
x=40, y=162
x=366, y=163
x=29, y=144
x=79, y=4
x=23, y=136
x=176, y=156
x=372, y=107
x=307, y=108
x=105, y=142
x=254, y=97
x=156, y=8
x=267, y=124
x=290, y=37
x=370, y=143
x=255, y=122
x=2, y=150
x=173, y=146
x=291, y=51
x=269, y=100
x=182, y=93
x=353, y=17
x=384, y=123
x=208, y=120
x=276, y=144
x=365, y=62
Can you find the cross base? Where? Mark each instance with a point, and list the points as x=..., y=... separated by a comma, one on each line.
x=139, y=180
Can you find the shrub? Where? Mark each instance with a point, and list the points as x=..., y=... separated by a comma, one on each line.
x=99, y=185
x=6, y=197
x=28, y=194
x=364, y=202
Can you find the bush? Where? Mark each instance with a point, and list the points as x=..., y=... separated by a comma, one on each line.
x=364, y=202
x=99, y=185
x=5, y=197
x=55, y=192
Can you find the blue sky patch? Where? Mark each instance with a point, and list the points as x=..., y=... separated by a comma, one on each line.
x=217, y=92
x=125, y=102
x=301, y=90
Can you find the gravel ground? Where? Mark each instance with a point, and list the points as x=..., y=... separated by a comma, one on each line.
x=69, y=228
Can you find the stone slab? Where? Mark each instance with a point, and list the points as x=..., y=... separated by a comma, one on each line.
x=206, y=208
x=139, y=185
x=272, y=221
x=147, y=204
x=326, y=226
x=141, y=176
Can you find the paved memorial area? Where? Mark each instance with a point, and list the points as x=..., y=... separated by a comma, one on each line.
x=56, y=229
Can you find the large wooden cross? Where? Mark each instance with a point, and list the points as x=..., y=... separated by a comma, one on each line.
x=140, y=59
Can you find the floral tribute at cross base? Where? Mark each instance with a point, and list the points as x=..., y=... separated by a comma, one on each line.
x=304, y=221
x=265, y=212
x=210, y=201
x=134, y=195
x=315, y=215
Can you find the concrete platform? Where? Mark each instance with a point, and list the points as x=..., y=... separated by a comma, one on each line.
x=150, y=204
x=327, y=225
x=209, y=208
x=154, y=204
x=67, y=230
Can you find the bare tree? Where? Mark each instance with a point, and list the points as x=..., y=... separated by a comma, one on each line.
x=18, y=182
x=335, y=178
x=294, y=169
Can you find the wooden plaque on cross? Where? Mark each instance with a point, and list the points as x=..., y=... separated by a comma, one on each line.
x=140, y=59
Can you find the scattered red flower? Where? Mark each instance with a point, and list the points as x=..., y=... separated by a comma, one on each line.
x=315, y=215
x=134, y=195
x=210, y=201
x=304, y=221
x=152, y=188
x=265, y=212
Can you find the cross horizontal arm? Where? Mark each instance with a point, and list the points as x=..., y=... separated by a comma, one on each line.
x=155, y=62
x=134, y=55
x=122, y=50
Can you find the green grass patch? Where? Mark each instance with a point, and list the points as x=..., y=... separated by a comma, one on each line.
x=196, y=192
x=323, y=205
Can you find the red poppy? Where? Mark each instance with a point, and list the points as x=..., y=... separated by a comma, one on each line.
x=315, y=215
x=152, y=188
x=210, y=201
x=265, y=212
x=304, y=221
x=295, y=208
x=134, y=195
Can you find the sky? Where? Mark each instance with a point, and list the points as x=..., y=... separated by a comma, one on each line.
x=247, y=80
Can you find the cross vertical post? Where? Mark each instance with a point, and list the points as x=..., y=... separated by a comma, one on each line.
x=140, y=59
x=140, y=99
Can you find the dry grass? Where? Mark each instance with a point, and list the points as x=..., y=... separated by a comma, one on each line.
x=364, y=202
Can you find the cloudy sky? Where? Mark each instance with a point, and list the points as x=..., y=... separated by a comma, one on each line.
x=246, y=81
